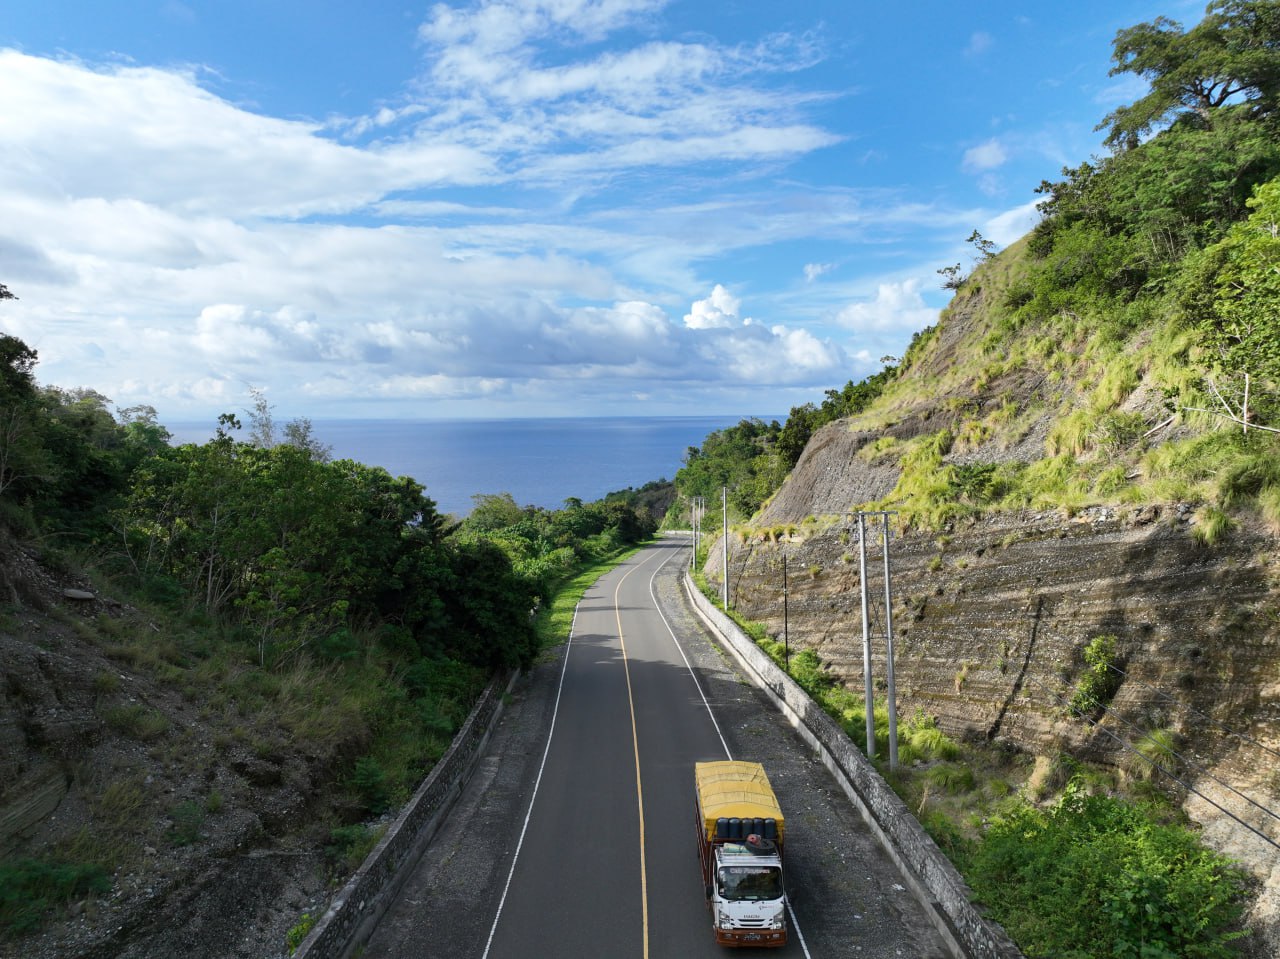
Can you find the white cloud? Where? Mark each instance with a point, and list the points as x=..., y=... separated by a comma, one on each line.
x=1011, y=225
x=805, y=351
x=718, y=311
x=897, y=307
x=434, y=386
x=752, y=355
x=1124, y=90
x=979, y=43
x=498, y=80
x=154, y=137
x=985, y=156
x=532, y=214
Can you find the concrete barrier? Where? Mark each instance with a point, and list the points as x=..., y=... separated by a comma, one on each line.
x=928, y=872
x=354, y=912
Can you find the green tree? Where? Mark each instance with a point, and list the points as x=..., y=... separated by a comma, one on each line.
x=300, y=433
x=1122, y=225
x=493, y=511
x=730, y=458
x=20, y=447
x=490, y=607
x=986, y=249
x=1233, y=52
x=143, y=430
x=1232, y=297
x=1244, y=328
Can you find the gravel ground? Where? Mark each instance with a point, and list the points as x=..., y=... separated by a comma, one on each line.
x=846, y=892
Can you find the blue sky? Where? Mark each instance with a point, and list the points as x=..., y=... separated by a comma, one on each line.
x=519, y=207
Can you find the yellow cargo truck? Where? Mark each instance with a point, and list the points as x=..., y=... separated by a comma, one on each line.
x=740, y=838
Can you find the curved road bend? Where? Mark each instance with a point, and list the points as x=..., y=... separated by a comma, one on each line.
x=575, y=837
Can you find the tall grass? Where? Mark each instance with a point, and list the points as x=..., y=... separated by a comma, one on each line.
x=31, y=888
x=555, y=620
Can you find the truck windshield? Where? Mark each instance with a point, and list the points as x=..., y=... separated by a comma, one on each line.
x=750, y=882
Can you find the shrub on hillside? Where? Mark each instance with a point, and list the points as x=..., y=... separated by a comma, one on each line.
x=1096, y=876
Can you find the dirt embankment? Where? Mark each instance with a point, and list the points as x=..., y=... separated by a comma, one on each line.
x=214, y=830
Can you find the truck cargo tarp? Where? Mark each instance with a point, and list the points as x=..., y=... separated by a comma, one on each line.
x=730, y=789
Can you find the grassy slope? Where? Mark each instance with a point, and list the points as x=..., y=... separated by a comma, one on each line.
x=996, y=410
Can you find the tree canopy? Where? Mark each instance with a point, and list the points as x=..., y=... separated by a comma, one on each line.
x=1232, y=54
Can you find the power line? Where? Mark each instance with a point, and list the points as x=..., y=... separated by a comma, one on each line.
x=1165, y=696
x=1146, y=734
x=1226, y=812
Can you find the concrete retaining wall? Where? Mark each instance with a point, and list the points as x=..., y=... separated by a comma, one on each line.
x=354, y=913
x=929, y=873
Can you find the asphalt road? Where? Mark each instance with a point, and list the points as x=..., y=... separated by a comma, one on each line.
x=575, y=838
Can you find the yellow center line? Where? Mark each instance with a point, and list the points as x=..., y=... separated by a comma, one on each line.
x=635, y=745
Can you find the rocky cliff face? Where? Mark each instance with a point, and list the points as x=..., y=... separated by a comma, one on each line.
x=991, y=617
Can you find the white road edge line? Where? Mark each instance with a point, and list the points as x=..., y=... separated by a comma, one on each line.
x=536, y=783
x=728, y=755
x=680, y=649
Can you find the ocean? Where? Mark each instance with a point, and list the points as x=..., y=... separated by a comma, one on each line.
x=540, y=462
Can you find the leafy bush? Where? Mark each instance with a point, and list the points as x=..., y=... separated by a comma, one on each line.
x=369, y=780
x=1157, y=748
x=136, y=721
x=1100, y=680
x=1251, y=475
x=954, y=778
x=1096, y=873
x=806, y=669
x=350, y=845
x=1211, y=525
x=923, y=740
x=293, y=938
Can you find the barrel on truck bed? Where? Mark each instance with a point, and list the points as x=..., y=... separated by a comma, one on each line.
x=735, y=790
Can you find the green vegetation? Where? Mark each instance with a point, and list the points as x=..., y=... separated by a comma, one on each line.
x=329, y=602
x=295, y=601
x=31, y=888
x=555, y=620
x=188, y=819
x=350, y=845
x=1100, y=680
x=1093, y=870
x=299, y=932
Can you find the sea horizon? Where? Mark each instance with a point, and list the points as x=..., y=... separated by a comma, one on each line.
x=541, y=461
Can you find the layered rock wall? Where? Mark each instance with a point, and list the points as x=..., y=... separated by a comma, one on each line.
x=991, y=620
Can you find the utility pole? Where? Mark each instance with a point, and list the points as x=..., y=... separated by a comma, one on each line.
x=888, y=628
x=724, y=506
x=694, y=503
x=869, y=690
x=866, y=637
x=786, y=639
